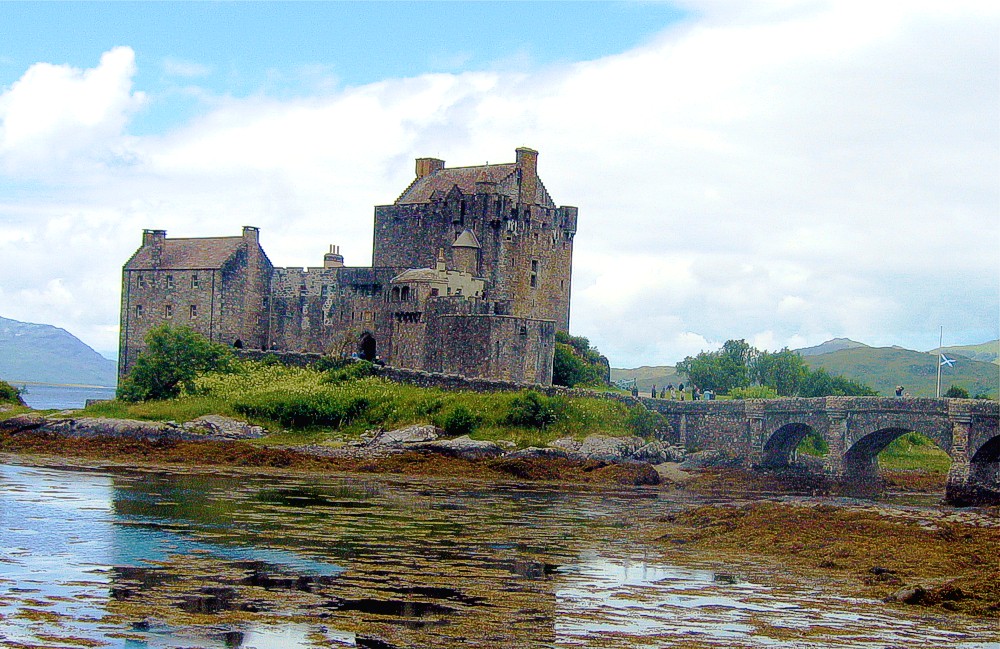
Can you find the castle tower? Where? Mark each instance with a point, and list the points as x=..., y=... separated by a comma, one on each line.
x=465, y=252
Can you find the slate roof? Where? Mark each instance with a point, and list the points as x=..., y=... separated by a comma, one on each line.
x=188, y=254
x=466, y=240
x=424, y=189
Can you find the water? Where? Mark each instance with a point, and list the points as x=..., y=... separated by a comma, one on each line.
x=45, y=396
x=167, y=560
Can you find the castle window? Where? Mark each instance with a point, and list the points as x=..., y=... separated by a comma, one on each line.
x=170, y=281
x=194, y=310
x=395, y=294
x=168, y=310
x=138, y=312
x=141, y=280
x=534, y=273
x=524, y=331
x=194, y=280
x=434, y=292
x=404, y=294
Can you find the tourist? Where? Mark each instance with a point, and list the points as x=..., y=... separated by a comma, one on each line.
x=899, y=391
x=680, y=389
x=695, y=394
x=663, y=393
x=673, y=395
x=635, y=389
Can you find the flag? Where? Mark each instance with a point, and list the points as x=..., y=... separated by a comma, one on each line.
x=947, y=361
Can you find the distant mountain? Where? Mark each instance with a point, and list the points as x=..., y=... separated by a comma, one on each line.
x=986, y=352
x=830, y=346
x=883, y=368
x=40, y=353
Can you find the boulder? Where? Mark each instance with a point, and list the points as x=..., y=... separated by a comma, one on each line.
x=610, y=449
x=224, y=427
x=405, y=435
x=537, y=452
x=657, y=452
x=703, y=459
x=21, y=423
x=461, y=447
x=908, y=595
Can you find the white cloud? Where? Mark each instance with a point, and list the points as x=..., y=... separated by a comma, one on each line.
x=186, y=69
x=783, y=174
x=56, y=118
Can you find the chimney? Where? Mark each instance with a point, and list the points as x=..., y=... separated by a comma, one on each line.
x=154, y=239
x=333, y=259
x=251, y=234
x=427, y=166
x=527, y=167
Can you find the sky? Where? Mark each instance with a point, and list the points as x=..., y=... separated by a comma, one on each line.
x=783, y=171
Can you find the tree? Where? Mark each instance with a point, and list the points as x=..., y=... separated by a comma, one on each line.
x=721, y=370
x=820, y=383
x=784, y=371
x=173, y=357
x=956, y=392
x=575, y=362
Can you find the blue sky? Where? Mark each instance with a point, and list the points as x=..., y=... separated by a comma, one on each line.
x=298, y=48
x=784, y=171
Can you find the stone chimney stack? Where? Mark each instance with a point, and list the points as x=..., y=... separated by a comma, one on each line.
x=333, y=259
x=527, y=168
x=427, y=166
x=154, y=239
x=251, y=234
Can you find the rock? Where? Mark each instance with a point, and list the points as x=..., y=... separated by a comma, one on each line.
x=672, y=473
x=224, y=427
x=908, y=595
x=406, y=435
x=610, y=449
x=537, y=452
x=657, y=452
x=21, y=423
x=703, y=459
x=462, y=447
x=567, y=444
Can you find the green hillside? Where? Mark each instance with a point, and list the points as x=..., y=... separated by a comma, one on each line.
x=883, y=368
x=986, y=352
x=648, y=376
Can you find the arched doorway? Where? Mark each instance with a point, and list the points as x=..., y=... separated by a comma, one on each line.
x=367, y=347
x=238, y=344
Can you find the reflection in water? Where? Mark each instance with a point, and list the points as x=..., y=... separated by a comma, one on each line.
x=180, y=560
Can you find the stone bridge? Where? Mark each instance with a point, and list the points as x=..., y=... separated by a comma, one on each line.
x=765, y=433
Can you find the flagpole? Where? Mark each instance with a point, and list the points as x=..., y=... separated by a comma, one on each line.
x=939, y=363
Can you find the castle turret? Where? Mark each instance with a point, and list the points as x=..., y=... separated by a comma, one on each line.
x=465, y=252
x=427, y=166
x=154, y=239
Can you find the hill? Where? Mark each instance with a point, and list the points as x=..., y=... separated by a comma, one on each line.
x=883, y=368
x=41, y=353
x=986, y=352
x=648, y=376
x=830, y=346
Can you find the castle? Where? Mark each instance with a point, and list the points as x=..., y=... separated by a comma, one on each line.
x=470, y=275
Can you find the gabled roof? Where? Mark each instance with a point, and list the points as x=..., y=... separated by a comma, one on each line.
x=187, y=254
x=426, y=188
x=466, y=240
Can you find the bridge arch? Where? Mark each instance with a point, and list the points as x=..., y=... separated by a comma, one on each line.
x=861, y=459
x=984, y=466
x=779, y=450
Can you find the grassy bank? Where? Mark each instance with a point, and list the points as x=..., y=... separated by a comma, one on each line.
x=308, y=406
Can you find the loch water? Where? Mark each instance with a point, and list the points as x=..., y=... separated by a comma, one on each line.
x=140, y=559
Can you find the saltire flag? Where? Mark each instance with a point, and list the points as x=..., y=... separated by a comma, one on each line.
x=950, y=362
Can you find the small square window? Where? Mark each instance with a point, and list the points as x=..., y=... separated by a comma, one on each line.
x=170, y=281
x=138, y=311
x=194, y=310
x=141, y=281
x=168, y=310
x=194, y=280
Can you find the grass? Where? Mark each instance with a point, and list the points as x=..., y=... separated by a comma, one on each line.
x=914, y=452
x=301, y=405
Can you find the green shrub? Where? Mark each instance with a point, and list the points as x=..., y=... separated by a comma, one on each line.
x=304, y=410
x=353, y=369
x=754, y=392
x=533, y=410
x=646, y=423
x=173, y=358
x=460, y=421
x=813, y=444
x=956, y=392
x=9, y=394
x=429, y=407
